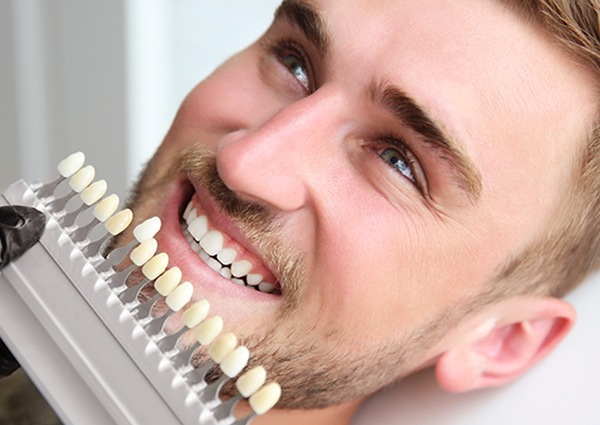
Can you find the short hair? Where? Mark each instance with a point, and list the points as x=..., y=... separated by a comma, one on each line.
x=558, y=260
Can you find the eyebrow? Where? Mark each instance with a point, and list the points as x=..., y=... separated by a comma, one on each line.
x=411, y=114
x=305, y=16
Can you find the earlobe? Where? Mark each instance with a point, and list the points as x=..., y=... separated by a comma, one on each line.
x=526, y=330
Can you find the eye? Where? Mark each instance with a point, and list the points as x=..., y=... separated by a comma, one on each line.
x=296, y=66
x=293, y=58
x=399, y=162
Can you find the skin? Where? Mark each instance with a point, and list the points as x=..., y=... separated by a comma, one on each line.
x=380, y=265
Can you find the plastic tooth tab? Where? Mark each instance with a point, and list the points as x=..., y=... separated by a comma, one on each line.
x=124, y=282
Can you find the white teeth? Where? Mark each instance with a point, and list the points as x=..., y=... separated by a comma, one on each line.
x=214, y=264
x=192, y=216
x=156, y=266
x=208, y=330
x=144, y=252
x=212, y=242
x=92, y=194
x=264, y=399
x=235, y=361
x=199, y=227
x=241, y=268
x=194, y=315
x=227, y=256
x=251, y=381
x=71, y=164
x=119, y=222
x=106, y=208
x=147, y=229
x=82, y=178
x=266, y=287
x=168, y=281
x=254, y=279
x=209, y=245
x=180, y=296
x=222, y=346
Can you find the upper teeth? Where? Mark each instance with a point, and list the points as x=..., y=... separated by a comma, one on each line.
x=210, y=246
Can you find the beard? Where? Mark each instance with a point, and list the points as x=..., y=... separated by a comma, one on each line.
x=315, y=363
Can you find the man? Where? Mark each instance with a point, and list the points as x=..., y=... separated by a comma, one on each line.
x=410, y=177
x=413, y=184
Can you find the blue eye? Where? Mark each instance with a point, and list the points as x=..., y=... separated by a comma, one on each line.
x=398, y=161
x=297, y=67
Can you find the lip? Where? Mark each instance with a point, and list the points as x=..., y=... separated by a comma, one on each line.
x=172, y=241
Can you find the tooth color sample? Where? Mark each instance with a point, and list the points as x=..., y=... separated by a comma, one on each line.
x=106, y=207
x=147, y=229
x=71, y=164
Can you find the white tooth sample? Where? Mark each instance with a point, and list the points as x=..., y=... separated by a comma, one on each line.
x=82, y=178
x=241, y=268
x=192, y=216
x=254, y=279
x=251, y=381
x=266, y=287
x=222, y=346
x=168, y=281
x=147, y=229
x=194, y=315
x=264, y=399
x=225, y=272
x=208, y=330
x=71, y=164
x=199, y=227
x=180, y=296
x=238, y=281
x=188, y=210
x=214, y=264
x=212, y=242
x=106, y=207
x=119, y=222
x=156, y=266
x=92, y=194
x=142, y=253
x=235, y=361
x=227, y=256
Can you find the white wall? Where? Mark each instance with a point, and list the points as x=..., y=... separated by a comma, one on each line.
x=106, y=77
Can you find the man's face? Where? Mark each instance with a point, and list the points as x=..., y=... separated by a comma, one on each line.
x=384, y=161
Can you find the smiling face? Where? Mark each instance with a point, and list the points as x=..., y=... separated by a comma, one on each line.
x=377, y=162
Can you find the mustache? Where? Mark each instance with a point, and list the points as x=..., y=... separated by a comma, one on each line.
x=259, y=224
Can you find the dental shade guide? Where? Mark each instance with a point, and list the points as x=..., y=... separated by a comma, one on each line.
x=84, y=337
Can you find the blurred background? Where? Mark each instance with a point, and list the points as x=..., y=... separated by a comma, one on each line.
x=106, y=77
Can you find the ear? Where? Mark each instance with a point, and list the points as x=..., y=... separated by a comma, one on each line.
x=514, y=336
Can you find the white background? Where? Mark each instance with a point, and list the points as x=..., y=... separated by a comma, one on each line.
x=106, y=77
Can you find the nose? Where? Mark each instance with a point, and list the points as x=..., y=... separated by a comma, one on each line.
x=277, y=163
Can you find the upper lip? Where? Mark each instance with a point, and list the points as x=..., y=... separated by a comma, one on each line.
x=225, y=224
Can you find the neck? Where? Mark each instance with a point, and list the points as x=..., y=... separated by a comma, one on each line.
x=336, y=415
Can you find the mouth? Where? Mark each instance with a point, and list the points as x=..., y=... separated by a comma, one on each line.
x=220, y=245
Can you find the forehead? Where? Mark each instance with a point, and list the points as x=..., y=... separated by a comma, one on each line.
x=489, y=77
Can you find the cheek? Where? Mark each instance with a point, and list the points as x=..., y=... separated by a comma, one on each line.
x=234, y=97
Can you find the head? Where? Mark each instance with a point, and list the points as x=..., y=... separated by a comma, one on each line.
x=404, y=173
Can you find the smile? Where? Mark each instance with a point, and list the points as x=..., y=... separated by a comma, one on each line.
x=221, y=253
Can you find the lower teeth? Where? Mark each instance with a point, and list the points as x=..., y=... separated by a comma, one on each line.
x=224, y=271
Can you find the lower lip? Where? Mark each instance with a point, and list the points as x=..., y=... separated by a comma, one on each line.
x=171, y=240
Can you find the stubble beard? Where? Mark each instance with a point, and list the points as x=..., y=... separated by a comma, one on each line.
x=309, y=361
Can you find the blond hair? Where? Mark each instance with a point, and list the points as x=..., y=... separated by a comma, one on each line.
x=569, y=250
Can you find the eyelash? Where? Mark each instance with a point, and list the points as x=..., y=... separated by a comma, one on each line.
x=279, y=48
